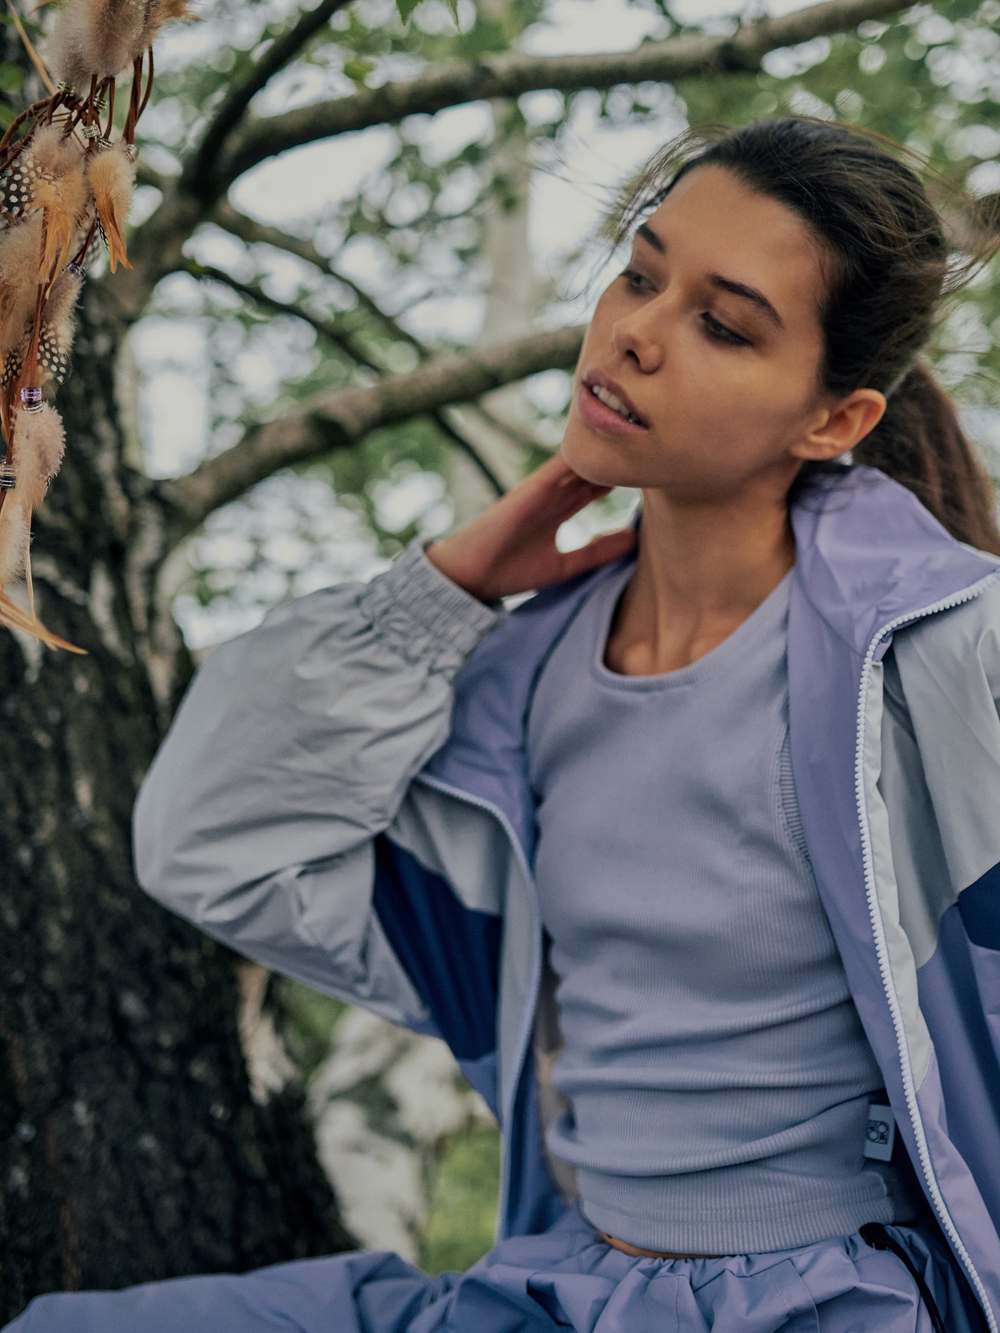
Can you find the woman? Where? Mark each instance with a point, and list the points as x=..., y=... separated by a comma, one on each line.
x=698, y=858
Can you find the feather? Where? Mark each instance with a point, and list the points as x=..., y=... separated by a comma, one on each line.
x=12, y=617
x=14, y=530
x=15, y=542
x=64, y=201
x=16, y=185
x=47, y=174
x=48, y=152
x=99, y=37
x=19, y=251
x=52, y=153
x=56, y=335
x=165, y=11
x=111, y=176
x=39, y=444
x=13, y=364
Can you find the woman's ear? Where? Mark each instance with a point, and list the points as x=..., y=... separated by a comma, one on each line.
x=842, y=426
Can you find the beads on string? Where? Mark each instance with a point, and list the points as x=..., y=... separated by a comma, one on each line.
x=31, y=398
x=8, y=479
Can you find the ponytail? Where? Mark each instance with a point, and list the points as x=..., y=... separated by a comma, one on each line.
x=920, y=443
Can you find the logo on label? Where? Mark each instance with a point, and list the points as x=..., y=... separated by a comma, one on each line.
x=880, y=1133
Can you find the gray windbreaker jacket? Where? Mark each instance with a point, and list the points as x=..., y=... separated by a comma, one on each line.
x=343, y=796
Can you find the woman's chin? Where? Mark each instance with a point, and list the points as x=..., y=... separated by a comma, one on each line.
x=595, y=460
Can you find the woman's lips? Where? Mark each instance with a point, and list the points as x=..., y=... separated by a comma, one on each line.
x=601, y=416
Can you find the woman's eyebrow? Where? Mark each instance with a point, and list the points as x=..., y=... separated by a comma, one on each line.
x=748, y=294
x=740, y=289
x=650, y=237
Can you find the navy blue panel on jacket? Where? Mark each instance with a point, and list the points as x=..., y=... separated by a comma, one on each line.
x=451, y=952
x=979, y=905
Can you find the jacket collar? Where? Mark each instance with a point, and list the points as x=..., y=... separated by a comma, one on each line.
x=868, y=555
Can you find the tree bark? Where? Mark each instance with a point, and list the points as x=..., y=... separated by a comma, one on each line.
x=131, y=1147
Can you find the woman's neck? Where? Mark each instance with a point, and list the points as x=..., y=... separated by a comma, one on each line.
x=702, y=570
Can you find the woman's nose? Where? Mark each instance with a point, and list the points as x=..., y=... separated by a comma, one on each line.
x=638, y=336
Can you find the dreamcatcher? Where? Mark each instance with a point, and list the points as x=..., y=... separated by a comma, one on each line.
x=64, y=180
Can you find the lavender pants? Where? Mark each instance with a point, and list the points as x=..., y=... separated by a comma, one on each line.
x=567, y=1278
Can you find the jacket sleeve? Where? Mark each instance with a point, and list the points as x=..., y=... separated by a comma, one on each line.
x=292, y=750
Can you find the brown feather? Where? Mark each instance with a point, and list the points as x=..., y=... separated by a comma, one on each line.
x=64, y=201
x=111, y=176
x=99, y=37
x=165, y=12
x=14, y=531
x=53, y=154
x=12, y=617
x=39, y=444
x=20, y=245
x=56, y=337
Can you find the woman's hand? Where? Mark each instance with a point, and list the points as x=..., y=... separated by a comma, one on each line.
x=512, y=547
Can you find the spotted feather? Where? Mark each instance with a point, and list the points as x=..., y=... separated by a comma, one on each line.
x=17, y=185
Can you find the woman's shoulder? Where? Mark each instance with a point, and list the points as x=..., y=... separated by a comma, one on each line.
x=959, y=641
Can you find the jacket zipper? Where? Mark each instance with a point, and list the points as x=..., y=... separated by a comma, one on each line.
x=878, y=934
x=874, y=912
x=527, y=1022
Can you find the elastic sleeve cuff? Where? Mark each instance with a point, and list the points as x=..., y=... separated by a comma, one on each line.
x=424, y=615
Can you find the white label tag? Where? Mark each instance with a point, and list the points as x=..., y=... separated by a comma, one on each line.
x=880, y=1133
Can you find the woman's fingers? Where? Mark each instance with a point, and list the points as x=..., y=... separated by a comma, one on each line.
x=511, y=547
x=565, y=491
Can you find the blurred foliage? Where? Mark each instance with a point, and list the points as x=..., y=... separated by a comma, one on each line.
x=307, y=1020
x=459, y=1227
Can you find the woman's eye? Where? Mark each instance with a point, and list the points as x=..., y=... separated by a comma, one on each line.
x=634, y=279
x=721, y=333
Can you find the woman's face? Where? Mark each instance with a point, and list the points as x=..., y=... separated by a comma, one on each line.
x=712, y=336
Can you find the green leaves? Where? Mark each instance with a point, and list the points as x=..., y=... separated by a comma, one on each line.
x=406, y=8
x=357, y=69
x=11, y=78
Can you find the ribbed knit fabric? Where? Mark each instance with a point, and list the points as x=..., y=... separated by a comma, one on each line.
x=423, y=614
x=716, y=1067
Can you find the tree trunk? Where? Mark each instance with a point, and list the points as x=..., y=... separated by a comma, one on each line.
x=131, y=1147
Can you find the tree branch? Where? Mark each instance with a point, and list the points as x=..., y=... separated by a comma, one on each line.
x=252, y=291
x=251, y=232
x=339, y=419
x=281, y=52
x=155, y=247
x=510, y=75
x=348, y=344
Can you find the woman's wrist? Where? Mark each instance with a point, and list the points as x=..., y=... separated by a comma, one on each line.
x=446, y=557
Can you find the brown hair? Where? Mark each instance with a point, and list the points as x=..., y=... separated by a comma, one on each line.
x=890, y=264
